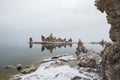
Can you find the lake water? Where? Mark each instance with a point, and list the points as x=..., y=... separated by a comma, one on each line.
x=23, y=54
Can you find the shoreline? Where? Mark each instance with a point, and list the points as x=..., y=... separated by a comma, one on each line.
x=60, y=63
x=7, y=73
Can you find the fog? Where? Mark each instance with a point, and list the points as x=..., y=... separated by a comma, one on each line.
x=21, y=19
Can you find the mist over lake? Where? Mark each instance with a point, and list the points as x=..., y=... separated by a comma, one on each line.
x=21, y=19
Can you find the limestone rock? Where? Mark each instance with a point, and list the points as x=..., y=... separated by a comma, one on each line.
x=111, y=55
x=111, y=62
x=19, y=67
x=52, y=38
x=76, y=78
x=80, y=48
x=89, y=59
x=9, y=67
x=29, y=69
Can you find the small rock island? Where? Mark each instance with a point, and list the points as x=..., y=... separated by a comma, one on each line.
x=51, y=40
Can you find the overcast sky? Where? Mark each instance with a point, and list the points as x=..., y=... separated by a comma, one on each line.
x=20, y=19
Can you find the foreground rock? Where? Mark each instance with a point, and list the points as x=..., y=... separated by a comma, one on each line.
x=52, y=69
x=87, y=58
x=9, y=67
x=28, y=69
x=19, y=67
x=90, y=59
x=80, y=48
x=111, y=56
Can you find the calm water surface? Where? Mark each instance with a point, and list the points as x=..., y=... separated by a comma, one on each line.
x=25, y=55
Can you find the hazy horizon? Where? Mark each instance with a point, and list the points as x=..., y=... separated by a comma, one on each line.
x=21, y=19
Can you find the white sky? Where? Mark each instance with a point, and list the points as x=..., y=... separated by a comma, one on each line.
x=20, y=19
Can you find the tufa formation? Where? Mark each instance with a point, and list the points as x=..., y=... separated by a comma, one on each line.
x=111, y=56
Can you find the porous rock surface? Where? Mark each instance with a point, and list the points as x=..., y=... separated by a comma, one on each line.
x=111, y=57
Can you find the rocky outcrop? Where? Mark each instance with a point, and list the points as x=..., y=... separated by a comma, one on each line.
x=80, y=48
x=87, y=58
x=90, y=59
x=51, y=38
x=28, y=69
x=111, y=55
x=19, y=67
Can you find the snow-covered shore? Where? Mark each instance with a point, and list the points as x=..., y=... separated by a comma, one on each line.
x=58, y=69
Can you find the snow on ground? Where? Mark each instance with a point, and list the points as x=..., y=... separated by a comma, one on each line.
x=67, y=57
x=63, y=57
x=54, y=69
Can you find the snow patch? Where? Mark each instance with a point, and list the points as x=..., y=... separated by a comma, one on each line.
x=52, y=69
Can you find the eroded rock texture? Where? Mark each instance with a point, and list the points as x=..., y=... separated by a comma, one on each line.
x=111, y=56
x=87, y=58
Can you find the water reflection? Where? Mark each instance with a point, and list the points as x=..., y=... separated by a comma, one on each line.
x=30, y=45
x=51, y=47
